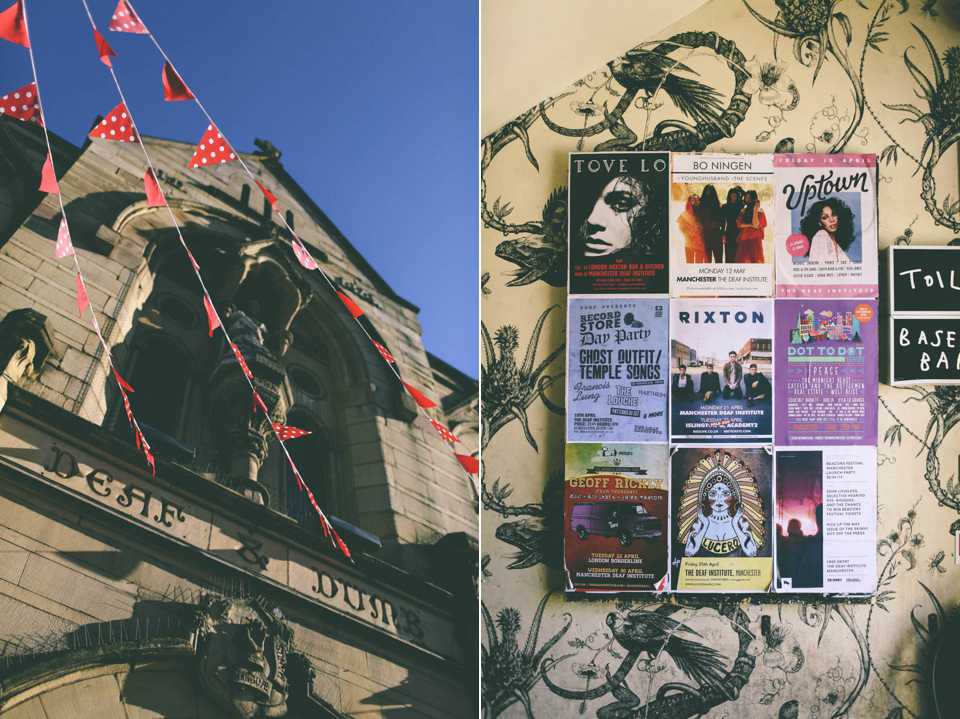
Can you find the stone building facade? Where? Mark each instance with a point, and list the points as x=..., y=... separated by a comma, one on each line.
x=209, y=590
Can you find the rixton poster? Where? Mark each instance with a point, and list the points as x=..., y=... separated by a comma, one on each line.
x=721, y=370
x=827, y=367
x=721, y=225
x=616, y=526
x=721, y=500
x=618, y=222
x=826, y=519
x=826, y=225
x=617, y=369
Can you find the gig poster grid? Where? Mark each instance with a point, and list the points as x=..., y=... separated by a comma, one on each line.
x=769, y=78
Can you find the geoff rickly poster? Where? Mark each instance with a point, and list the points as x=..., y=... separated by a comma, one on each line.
x=721, y=370
x=721, y=225
x=615, y=517
x=618, y=222
x=617, y=370
x=721, y=500
x=827, y=367
x=826, y=225
x=827, y=519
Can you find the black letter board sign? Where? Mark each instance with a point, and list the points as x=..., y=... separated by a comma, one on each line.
x=924, y=280
x=925, y=350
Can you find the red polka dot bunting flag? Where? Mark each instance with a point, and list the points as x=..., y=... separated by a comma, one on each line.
x=284, y=433
x=126, y=406
x=174, y=89
x=383, y=352
x=212, y=150
x=22, y=104
x=117, y=125
x=103, y=47
x=444, y=433
x=12, y=25
x=271, y=198
x=48, y=179
x=352, y=306
x=212, y=319
x=419, y=397
x=125, y=20
x=258, y=404
x=152, y=188
x=469, y=463
x=82, y=300
x=64, y=245
x=120, y=380
x=301, y=252
x=243, y=364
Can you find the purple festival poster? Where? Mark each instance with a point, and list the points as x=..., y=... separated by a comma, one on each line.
x=826, y=372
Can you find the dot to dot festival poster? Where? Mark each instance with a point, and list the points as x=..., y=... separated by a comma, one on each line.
x=721, y=519
x=616, y=527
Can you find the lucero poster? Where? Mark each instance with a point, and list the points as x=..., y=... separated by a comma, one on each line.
x=826, y=225
x=616, y=526
x=721, y=500
x=721, y=370
x=826, y=520
x=617, y=369
x=618, y=222
x=827, y=372
x=721, y=225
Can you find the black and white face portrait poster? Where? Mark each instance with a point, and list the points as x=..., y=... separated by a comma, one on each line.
x=721, y=225
x=617, y=369
x=618, y=223
x=826, y=517
x=721, y=370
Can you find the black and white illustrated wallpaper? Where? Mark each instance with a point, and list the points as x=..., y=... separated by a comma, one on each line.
x=823, y=76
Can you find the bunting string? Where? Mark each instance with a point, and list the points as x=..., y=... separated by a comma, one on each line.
x=218, y=154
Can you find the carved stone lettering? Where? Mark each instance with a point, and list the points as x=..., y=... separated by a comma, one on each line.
x=167, y=508
x=63, y=463
x=132, y=492
x=97, y=481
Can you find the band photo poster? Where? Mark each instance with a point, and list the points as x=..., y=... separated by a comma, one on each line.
x=721, y=225
x=721, y=501
x=616, y=525
x=721, y=370
x=617, y=369
x=826, y=226
x=618, y=223
x=826, y=520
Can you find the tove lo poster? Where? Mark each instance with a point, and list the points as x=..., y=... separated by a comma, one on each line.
x=826, y=226
x=618, y=222
x=721, y=225
x=721, y=370
x=617, y=370
x=616, y=527
x=826, y=356
x=721, y=500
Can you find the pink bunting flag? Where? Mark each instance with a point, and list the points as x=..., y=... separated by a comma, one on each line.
x=243, y=364
x=419, y=397
x=103, y=342
x=120, y=380
x=212, y=319
x=444, y=433
x=152, y=188
x=174, y=89
x=103, y=47
x=13, y=27
x=355, y=311
x=469, y=463
x=64, y=245
x=271, y=198
x=125, y=20
x=82, y=300
x=301, y=252
x=117, y=125
x=285, y=433
x=383, y=352
x=212, y=150
x=22, y=104
x=48, y=179
x=258, y=404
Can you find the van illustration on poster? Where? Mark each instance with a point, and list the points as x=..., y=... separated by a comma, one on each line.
x=616, y=526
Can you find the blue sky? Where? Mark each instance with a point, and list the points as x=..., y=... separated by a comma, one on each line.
x=373, y=104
